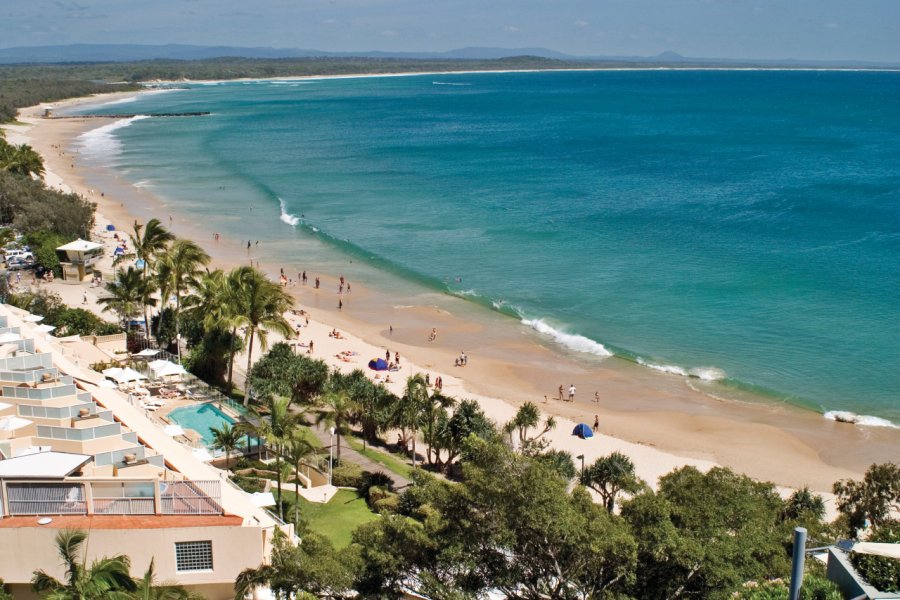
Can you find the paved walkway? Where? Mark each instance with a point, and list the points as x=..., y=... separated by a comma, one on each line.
x=353, y=456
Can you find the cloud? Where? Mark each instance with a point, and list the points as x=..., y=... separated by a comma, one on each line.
x=581, y=23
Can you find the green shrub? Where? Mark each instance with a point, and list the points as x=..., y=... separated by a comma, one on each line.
x=372, y=480
x=43, y=245
x=347, y=475
x=389, y=504
x=881, y=572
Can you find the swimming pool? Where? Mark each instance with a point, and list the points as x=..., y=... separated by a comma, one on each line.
x=201, y=418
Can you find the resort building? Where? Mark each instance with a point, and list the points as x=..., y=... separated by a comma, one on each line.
x=75, y=454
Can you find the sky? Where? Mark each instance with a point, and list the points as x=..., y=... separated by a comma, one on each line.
x=767, y=29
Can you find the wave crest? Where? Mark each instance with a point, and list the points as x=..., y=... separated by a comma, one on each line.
x=573, y=341
x=286, y=217
x=845, y=416
x=102, y=143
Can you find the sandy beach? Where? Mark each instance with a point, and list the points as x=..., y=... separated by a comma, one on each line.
x=661, y=421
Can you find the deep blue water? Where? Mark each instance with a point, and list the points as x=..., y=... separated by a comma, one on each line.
x=745, y=223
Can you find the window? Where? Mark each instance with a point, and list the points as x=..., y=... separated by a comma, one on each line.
x=193, y=556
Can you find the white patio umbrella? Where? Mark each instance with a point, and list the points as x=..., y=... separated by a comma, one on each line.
x=34, y=318
x=9, y=337
x=262, y=499
x=173, y=430
x=13, y=422
x=107, y=384
x=165, y=368
x=123, y=375
x=878, y=549
x=44, y=328
x=4, y=406
x=147, y=352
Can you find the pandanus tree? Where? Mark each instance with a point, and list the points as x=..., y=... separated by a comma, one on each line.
x=179, y=271
x=105, y=578
x=611, y=475
x=149, y=241
x=261, y=305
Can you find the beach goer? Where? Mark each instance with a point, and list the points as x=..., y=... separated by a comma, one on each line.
x=433, y=335
x=303, y=277
x=310, y=351
x=84, y=298
x=387, y=355
x=248, y=246
x=342, y=281
x=340, y=304
x=572, y=393
x=596, y=423
x=348, y=287
x=341, y=289
x=397, y=358
x=317, y=283
x=391, y=330
x=427, y=380
x=560, y=391
x=597, y=397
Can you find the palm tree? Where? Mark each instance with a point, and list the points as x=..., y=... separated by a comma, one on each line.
x=277, y=429
x=336, y=410
x=217, y=300
x=129, y=292
x=149, y=589
x=297, y=449
x=106, y=577
x=226, y=438
x=182, y=265
x=610, y=475
x=21, y=159
x=411, y=408
x=262, y=305
x=148, y=242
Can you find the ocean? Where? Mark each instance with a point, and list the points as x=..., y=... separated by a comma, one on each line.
x=737, y=226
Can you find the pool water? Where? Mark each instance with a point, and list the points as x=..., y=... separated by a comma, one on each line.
x=202, y=418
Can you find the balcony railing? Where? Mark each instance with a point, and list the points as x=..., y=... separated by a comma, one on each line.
x=111, y=497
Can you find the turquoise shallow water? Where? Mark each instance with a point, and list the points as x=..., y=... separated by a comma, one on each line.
x=202, y=418
x=743, y=225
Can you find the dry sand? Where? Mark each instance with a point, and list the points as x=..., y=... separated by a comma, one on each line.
x=660, y=421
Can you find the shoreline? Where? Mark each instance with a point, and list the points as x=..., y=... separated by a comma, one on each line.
x=639, y=409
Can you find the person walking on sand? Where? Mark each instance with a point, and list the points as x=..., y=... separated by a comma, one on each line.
x=340, y=304
x=84, y=298
x=597, y=397
x=433, y=335
x=596, y=423
x=560, y=391
x=572, y=393
x=317, y=283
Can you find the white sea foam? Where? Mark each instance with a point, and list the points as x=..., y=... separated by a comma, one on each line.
x=292, y=220
x=845, y=416
x=670, y=369
x=449, y=83
x=573, y=341
x=102, y=142
x=707, y=373
x=143, y=183
x=470, y=293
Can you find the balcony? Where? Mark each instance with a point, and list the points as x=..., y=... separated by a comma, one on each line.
x=110, y=497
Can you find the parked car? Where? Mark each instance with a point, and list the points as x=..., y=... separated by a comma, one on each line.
x=14, y=253
x=17, y=264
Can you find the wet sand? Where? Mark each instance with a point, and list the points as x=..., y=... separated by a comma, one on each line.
x=687, y=421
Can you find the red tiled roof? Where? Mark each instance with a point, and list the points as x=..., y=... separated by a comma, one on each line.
x=125, y=521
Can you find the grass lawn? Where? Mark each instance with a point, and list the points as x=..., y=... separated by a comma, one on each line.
x=337, y=519
x=385, y=459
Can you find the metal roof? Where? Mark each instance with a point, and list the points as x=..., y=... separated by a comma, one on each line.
x=43, y=465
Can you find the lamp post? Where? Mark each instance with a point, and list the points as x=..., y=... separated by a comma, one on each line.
x=331, y=456
x=581, y=456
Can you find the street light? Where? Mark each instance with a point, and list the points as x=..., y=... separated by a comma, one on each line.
x=331, y=456
x=581, y=456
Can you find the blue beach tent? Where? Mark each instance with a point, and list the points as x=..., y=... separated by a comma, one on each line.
x=583, y=431
x=110, y=227
x=378, y=364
